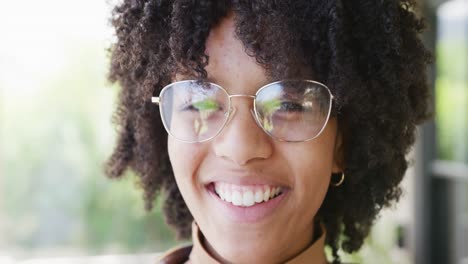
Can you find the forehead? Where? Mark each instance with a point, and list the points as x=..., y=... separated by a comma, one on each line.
x=232, y=66
x=229, y=64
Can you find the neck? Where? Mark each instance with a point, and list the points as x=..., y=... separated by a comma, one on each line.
x=284, y=256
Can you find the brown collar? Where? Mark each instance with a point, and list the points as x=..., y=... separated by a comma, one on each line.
x=197, y=254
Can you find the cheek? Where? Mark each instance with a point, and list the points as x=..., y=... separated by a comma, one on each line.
x=311, y=169
x=311, y=165
x=185, y=160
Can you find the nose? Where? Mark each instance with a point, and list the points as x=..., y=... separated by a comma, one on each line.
x=242, y=140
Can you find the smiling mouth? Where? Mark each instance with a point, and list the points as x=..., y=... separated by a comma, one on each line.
x=246, y=196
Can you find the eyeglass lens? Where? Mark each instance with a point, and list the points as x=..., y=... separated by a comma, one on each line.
x=294, y=110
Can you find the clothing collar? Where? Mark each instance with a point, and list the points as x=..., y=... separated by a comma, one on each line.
x=312, y=254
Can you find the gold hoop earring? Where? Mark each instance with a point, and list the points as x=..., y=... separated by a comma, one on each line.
x=339, y=182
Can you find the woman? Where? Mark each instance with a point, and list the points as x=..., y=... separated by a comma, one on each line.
x=288, y=121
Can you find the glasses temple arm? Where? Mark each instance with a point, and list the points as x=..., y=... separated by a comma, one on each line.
x=155, y=100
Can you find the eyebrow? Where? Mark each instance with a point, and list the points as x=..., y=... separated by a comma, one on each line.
x=213, y=79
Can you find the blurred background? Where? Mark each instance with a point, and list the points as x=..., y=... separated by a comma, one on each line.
x=56, y=205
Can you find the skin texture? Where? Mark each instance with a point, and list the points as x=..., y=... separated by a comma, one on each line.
x=367, y=52
x=244, y=152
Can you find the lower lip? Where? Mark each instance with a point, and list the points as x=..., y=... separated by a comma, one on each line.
x=251, y=214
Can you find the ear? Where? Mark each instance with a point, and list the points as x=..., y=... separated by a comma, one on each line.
x=338, y=153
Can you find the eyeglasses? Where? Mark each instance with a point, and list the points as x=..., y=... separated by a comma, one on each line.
x=289, y=110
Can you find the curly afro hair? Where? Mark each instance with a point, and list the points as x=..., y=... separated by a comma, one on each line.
x=368, y=52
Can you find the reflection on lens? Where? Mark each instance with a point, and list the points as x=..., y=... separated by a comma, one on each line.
x=293, y=110
x=194, y=111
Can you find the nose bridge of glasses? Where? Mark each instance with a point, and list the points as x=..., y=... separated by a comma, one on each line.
x=242, y=95
x=233, y=109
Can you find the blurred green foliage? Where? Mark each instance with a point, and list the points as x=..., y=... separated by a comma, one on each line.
x=452, y=100
x=55, y=142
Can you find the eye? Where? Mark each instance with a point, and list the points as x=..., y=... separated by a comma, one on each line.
x=206, y=105
x=282, y=106
x=289, y=106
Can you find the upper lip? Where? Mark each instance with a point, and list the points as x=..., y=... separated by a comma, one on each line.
x=246, y=178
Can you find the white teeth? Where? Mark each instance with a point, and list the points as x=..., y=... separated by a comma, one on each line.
x=272, y=193
x=258, y=196
x=277, y=191
x=236, y=198
x=246, y=195
x=248, y=199
x=266, y=195
x=227, y=196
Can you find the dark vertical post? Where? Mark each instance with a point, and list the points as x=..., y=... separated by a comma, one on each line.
x=425, y=153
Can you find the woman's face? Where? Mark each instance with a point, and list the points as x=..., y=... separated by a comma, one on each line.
x=244, y=161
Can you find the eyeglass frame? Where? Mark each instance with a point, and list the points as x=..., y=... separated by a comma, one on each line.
x=156, y=100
